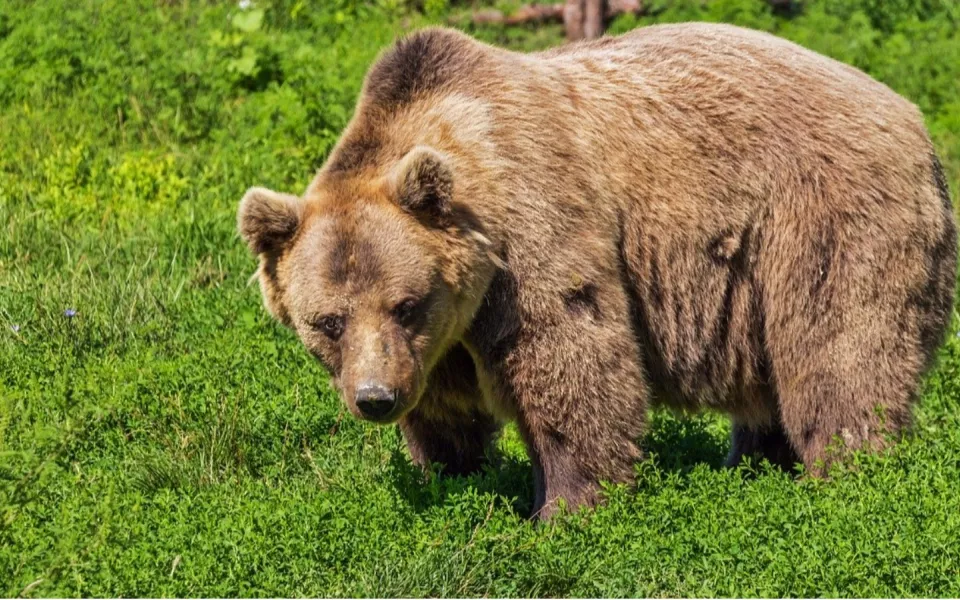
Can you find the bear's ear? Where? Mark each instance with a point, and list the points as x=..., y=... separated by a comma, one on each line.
x=424, y=182
x=267, y=220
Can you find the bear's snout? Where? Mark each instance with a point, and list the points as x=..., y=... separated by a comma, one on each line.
x=375, y=401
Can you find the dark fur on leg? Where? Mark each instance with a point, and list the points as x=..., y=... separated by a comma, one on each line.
x=458, y=442
x=770, y=443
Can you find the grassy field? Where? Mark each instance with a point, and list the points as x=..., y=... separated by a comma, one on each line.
x=161, y=436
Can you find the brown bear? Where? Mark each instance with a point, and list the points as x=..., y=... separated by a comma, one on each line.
x=695, y=215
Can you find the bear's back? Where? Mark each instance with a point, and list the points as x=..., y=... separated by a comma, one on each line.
x=735, y=65
x=737, y=106
x=754, y=56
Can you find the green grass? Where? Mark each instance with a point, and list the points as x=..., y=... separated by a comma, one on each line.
x=171, y=440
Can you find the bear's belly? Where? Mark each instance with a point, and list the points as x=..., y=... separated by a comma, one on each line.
x=701, y=326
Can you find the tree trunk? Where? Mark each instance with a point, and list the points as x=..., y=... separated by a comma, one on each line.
x=582, y=19
x=593, y=23
x=531, y=13
x=573, y=17
x=585, y=19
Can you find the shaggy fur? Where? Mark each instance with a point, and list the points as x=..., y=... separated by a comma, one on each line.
x=695, y=215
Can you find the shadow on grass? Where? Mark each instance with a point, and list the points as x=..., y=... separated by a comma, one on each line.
x=679, y=445
x=683, y=443
x=505, y=476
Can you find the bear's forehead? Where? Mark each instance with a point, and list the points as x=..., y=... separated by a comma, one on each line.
x=363, y=249
x=353, y=257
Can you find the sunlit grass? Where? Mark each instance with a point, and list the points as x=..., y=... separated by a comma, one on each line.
x=167, y=438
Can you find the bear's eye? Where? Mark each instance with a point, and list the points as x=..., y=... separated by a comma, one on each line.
x=330, y=325
x=406, y=311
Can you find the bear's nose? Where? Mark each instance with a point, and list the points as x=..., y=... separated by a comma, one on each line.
x=375, y=401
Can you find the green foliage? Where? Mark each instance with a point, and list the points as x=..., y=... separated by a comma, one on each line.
x=169, y=439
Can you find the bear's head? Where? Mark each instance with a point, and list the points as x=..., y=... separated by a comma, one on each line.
x=379, y=275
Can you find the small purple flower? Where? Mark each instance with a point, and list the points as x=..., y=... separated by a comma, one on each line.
x=70, y=313
x=15, y=328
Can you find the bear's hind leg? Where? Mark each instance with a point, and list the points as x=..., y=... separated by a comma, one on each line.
x=848, y=330
x=828, y=415
x=845, y=383
x=769, y=442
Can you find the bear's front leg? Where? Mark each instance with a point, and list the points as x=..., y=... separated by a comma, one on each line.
x=448, y=425
x=580, y=395
x=458, y=441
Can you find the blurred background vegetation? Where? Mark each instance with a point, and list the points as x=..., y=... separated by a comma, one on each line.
x=159, y=435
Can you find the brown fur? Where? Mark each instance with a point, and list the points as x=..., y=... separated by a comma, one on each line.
x=695, y=215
